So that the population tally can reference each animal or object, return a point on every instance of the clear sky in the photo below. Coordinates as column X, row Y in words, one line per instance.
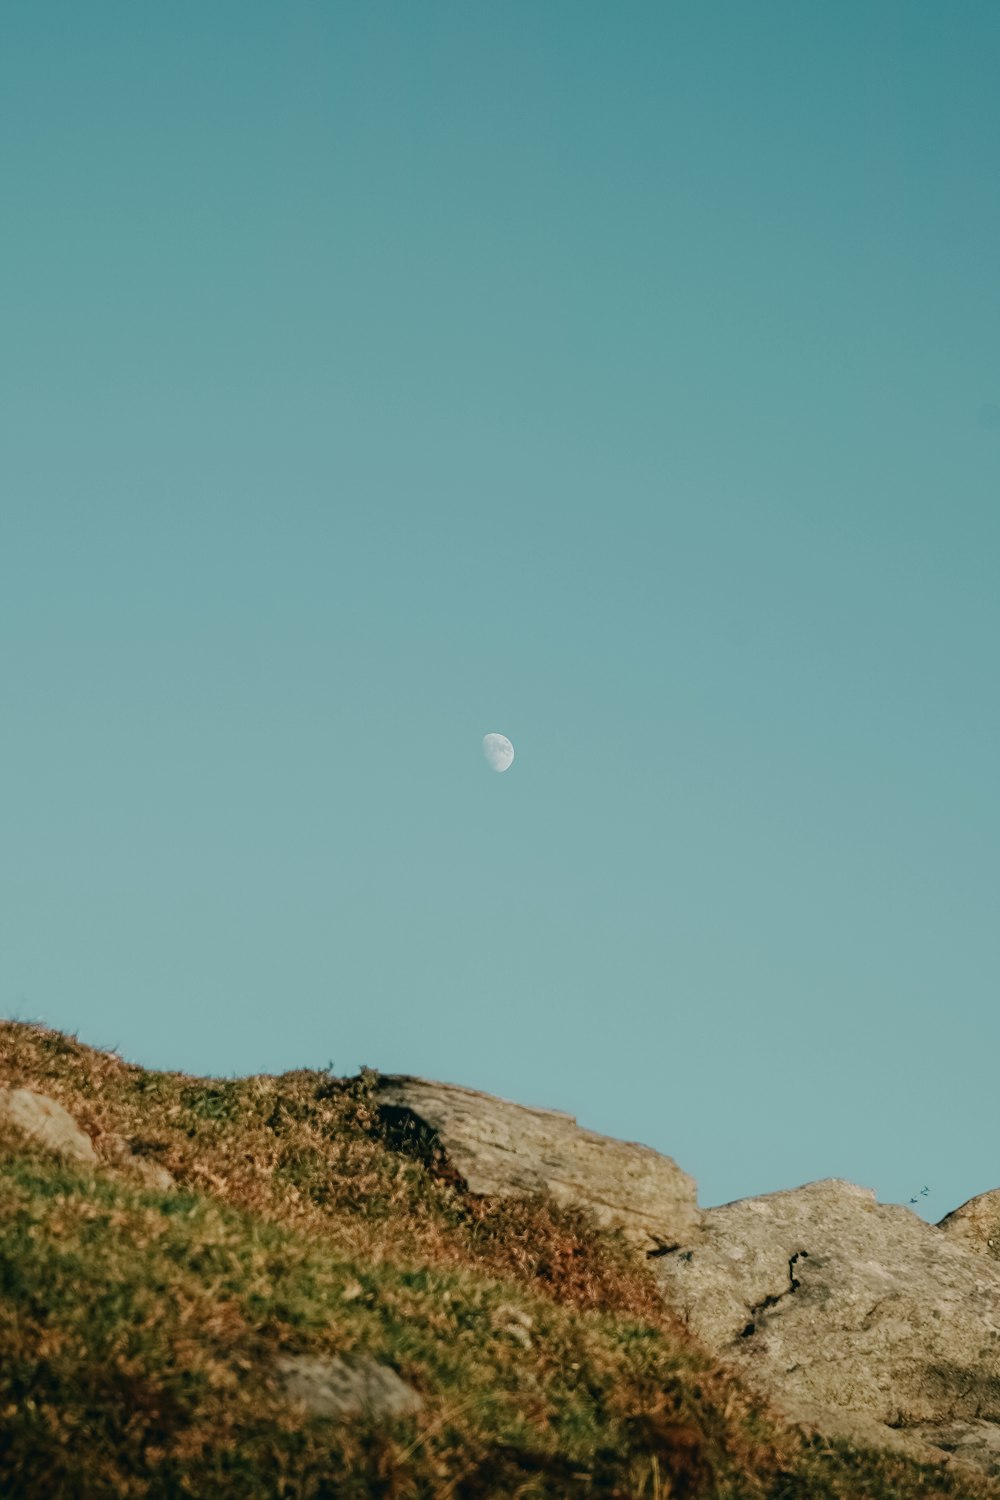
column 624, row 379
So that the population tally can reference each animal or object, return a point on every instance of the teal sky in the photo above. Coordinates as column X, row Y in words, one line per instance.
column 621, row 378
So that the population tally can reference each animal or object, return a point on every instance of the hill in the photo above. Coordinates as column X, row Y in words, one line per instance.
column 285, row 1286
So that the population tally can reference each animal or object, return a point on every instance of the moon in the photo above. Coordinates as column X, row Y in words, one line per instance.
column 498, row 750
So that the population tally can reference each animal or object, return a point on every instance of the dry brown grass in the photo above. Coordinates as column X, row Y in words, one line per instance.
column 307, row 1151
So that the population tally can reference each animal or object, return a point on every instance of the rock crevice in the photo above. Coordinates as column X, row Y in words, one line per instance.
column 772, row 1299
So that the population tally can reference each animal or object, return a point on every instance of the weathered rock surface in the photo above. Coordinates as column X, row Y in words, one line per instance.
column 859, row 1319
column 495, row 1146
column 976, row 1224
column 46, row 1121
column 975, row 1444
column 849, row 1313
column 333, row 1387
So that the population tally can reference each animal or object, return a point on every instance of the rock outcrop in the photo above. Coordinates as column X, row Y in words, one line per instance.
column 335, row 1387
column 45, row 1121
column 495, row 1147
column 859, row 1319
column 849, row 1313
column 976, row 1224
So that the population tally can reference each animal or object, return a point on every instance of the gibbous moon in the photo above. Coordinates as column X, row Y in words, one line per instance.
column 498, row 750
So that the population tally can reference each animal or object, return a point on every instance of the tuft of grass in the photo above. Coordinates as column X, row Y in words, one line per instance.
column 140, row 1331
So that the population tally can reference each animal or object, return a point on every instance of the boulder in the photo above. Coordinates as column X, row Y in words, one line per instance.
column 47, row 1122
column 853, row 1316
column 491, row 1146
column 976, row 1224
column 334, row 1387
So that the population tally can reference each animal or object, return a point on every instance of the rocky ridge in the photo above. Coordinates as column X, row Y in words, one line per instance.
column 858, row 1319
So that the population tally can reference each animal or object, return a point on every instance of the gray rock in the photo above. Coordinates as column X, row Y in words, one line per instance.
column 976, row 1224
column 332, row 1387
column 862, row 1431
column 47, row 1122
column 974, row 1444
column 858, row 1319
column 494, row 1146
column 848, row 1313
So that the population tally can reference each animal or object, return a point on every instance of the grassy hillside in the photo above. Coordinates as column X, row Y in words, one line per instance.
column 139, row 1330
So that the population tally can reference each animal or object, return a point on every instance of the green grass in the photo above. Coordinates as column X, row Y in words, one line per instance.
column 139, row 1331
